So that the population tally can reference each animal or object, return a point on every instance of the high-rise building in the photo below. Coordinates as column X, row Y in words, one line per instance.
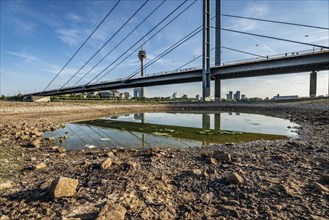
column 237, row 95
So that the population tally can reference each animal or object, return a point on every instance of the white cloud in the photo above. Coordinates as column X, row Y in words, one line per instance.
column 24, row 26
column 73, row 17
column 255, row 9
column 24, row 55
column 69, row 36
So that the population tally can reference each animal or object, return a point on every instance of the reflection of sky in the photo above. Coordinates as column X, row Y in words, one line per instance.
column 234, row 122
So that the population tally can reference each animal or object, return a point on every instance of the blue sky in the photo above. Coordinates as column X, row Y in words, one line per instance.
column 38, row 38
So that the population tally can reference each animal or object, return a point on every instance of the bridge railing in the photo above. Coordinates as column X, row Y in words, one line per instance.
column 278, row 56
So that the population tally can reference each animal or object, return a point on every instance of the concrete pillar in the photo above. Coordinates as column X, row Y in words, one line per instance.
column 217, row 121
column 206, row 51
column 205, row 121
column 313, row 78
column 217, row 89
column 218, row 48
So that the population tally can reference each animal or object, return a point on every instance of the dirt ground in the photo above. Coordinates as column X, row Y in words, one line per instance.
column 279, row 179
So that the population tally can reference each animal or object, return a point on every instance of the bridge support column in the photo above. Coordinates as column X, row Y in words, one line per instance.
column 217, row 121
column 313, row 79
column 206, row 51
column 218, row 49
column 217, row 89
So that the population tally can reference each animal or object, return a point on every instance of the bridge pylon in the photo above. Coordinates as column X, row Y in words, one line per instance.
column 206, row 51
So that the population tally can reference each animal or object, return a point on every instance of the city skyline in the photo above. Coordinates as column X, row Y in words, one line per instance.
column 36, row 41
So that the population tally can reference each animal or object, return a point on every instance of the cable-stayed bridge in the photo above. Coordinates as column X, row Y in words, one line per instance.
column 317, row 59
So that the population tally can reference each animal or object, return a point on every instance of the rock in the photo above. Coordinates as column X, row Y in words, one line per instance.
column 131, row 164
column 40, row 166
column 46, row 184
column 106, row 164
column 4, row 217
column 63, row 187
column 212, row 160
column 318, row 187
column 36, row 143
column 314, row 217
column 234, row 178
column 6, row 185
column 33, row 159
column 110, row 154
column 64, row 218
column 325, row 179
column 61, row 150
column 112, row 211
column 222, row 156
column 195, row 173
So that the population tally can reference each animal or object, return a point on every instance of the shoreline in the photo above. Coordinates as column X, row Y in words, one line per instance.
column 282, row 179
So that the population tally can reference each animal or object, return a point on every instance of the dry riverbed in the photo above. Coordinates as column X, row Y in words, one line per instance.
column 280, row 179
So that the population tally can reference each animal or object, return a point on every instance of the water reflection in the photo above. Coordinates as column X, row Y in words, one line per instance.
column 170, row 130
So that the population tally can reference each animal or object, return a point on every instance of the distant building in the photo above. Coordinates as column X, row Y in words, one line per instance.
column 137, row 93
column 278, row 97
column 175, row 95
column 237, row 95
column 104, row 95
column 184, row 96
column 243, row 97
column 229, row 96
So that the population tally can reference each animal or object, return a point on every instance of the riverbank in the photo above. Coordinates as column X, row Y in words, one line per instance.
column 280, row 179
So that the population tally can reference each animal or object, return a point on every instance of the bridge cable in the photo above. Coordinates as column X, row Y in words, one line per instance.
column 273, row 21
column 275, row 38
column 83, row 44
column 241, row 51
column 149, row 40
column 104, row 44
column 143, row 38
column 228, row 48
column 168, row 50
column 120, row 42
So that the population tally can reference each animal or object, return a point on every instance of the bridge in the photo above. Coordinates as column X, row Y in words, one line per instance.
column 282, row 64
column 302, row 61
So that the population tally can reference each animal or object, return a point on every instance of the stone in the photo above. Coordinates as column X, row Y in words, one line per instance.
column 325, row 179
column 6, row 185
column 314, row 217
column 65, row 218
column 132, row 164
column 46, row 184
column 36, row 143
column 195, row 173
column 112, row 211
column 33, row 159
column 106, row 164
column 212, row 161
column 40, row 166
column 61, row 150
column 110, row 154
column 222, row 156
column 4, row 217
column 234, row 178
column 63, row 187
column 319, row 187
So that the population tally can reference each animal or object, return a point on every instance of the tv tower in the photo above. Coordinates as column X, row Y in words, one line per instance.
column 142, row 57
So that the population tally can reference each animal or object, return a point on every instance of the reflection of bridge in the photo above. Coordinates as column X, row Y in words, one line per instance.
column 205, row 120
